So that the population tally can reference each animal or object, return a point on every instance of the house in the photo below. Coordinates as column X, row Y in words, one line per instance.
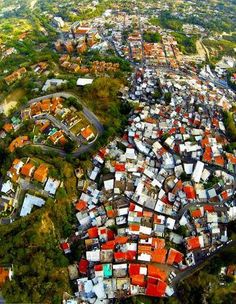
column 18, row 142
column 197, row 173
column 8, row 127
column 52, row 185
column 7, row 187
column 65, row 246
column 29, row 202
column 51, row 83
column 84, row 81
column 28, row 169
column 87, row 133
column 195, row 242
column 5, row 274
column 41, row 173
column 15, row 75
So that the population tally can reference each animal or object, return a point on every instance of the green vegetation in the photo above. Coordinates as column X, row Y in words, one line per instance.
column 204, row 285
column 31, row 244
column 72, row 101
column 230, row 125
column 219, row 48
column 212, row 181
column 167, row 97
column 166, row 20
column 186, row 44
column 229, row 75
column 102, row 98
column 152, row 37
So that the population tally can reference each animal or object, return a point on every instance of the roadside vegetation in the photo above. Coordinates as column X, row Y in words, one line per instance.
column 204, row 286
column 219, row 48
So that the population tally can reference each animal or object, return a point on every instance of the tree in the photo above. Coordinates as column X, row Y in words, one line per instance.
column 69, row 146
column 167, row 97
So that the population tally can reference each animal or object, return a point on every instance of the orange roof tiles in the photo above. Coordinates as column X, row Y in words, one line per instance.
column 219, row 160
column 87, row 133
column 93, row 232
column 158, row 243
column 18, row 142
column 196, row 213
column 138, row 279
column 209, row 208
column 121, row 239
column 174, row 256
column 207, row 154
column 231, row 158
column 8, row 127
column 224, row 195
column 190, row 192
column 119, row 167
column 41, row 173
column 205, row 142
column 154, row 271
column 108, row 245
column 4, row 275
column 159, row 255
column 27, row 169
column 81, row 205
column 193, row 243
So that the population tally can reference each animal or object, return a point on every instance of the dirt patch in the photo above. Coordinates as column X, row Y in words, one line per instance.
column 47, row 224
column 11, row 100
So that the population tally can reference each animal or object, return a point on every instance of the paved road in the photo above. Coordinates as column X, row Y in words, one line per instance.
column 91, row 117
column 186, row 273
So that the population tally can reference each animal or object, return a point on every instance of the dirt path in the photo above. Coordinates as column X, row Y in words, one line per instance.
column 200, row 50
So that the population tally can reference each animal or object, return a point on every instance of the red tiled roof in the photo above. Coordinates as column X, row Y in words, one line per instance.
column 81, row 205
column 109, row 245
column 196, row 213
column 138, row 279
column 209, row 208
column 83, row 266
column 158, row 243
column 159, row 255
column 174, row 256
column 93, row 232
column 190, row 192
column 119, row 167
column 193, row 243
column 154, row 271
column 219, row 160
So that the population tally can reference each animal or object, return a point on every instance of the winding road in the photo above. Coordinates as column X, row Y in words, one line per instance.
column 190, row 270
column 91, row 117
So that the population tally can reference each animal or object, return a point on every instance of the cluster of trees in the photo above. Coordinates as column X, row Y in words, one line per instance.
column 186, row 44
column 230, row 125
column 220, row 48
column 72, row 101
column 203, row 286
column 152, row 37
column 40, row 274
column 166, row 20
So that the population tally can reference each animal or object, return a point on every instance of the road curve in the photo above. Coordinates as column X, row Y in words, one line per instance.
column 190, row 270
column 91, row 117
